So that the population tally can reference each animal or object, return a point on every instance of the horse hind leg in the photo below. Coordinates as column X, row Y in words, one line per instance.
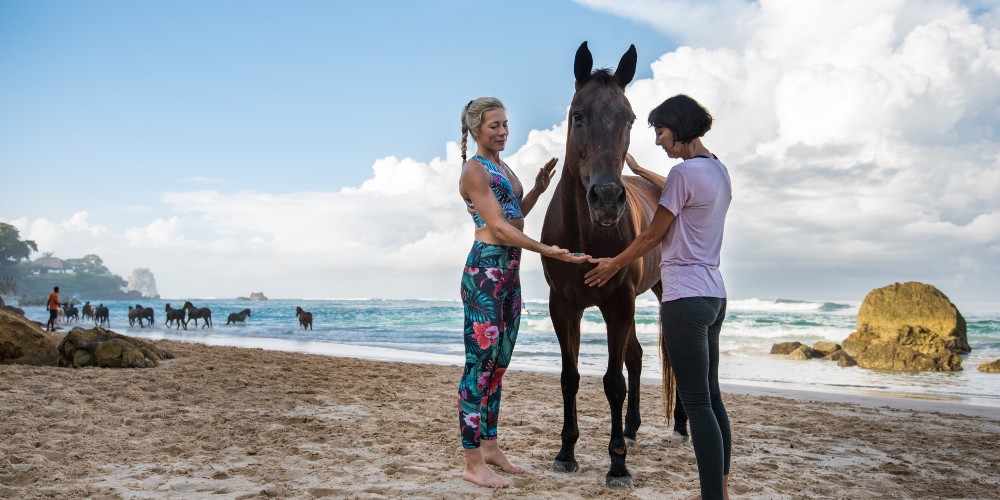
column 633, row 363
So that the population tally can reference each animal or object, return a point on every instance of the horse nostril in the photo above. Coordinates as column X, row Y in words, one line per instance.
column 621, row 196
column 592, row 196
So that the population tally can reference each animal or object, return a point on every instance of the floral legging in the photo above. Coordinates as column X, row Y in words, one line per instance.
column 491, row 294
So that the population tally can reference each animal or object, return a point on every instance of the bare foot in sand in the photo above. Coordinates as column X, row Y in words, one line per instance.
column 494, row 456
column 477, row 472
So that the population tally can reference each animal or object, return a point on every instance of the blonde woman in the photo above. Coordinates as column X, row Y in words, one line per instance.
column 491, row 287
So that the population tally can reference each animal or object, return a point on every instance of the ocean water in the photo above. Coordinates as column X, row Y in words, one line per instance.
column 430, row 331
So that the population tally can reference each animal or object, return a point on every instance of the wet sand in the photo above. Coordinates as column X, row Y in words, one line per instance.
column 225, row 422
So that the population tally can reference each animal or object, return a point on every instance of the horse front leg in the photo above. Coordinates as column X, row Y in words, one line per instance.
column 620, row 319
column 566, row 321
column 633, row 362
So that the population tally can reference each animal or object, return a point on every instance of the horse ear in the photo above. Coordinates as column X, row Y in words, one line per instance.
column 583, row 64
column 626, row 67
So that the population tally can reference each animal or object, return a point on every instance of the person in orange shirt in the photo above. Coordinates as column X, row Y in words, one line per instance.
column 53, row 308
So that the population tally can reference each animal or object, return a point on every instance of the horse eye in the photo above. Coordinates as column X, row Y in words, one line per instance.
column 577, row 117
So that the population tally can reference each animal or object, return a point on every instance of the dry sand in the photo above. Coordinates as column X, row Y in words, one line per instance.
column 221, row 422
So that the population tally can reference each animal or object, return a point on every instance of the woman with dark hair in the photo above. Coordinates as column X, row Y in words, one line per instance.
column 491, row 285
column 688, row 226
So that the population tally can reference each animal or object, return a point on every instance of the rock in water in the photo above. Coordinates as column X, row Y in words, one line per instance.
column 107, row 349
column 802, row 353
column 825, row 348
column 993, row 367
column 908, row 326
column 785, row 347
column 22, row 342
column 841, row 358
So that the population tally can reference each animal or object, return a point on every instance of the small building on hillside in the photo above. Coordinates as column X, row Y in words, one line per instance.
column 49, row 265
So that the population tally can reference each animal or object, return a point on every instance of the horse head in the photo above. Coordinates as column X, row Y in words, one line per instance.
column 600, row 122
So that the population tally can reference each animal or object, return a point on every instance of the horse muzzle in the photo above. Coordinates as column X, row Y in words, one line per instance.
column 607, row 203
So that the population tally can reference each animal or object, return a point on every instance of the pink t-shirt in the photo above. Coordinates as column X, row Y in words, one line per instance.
column 698, row 193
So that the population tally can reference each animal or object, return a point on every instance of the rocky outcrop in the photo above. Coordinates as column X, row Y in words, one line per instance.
column 785, row 347
column 802, row 353
column 993, row 367
column 908, row 326
column 842, row 358
column 23, row 342
column 11, row 309
column 107, row 349
column 823, row 349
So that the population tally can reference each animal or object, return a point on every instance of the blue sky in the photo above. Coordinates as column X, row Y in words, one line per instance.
column 308, row 149
column 123, row 99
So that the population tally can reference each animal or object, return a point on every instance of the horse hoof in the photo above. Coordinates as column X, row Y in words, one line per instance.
column 561, row 466
column 619, row 483
column 631, row 444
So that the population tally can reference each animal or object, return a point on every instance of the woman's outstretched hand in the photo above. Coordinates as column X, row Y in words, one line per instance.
column 566, row 256
column 545, row 175
column 605, row 270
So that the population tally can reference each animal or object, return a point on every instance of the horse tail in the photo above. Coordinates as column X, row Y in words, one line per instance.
column 669, row 386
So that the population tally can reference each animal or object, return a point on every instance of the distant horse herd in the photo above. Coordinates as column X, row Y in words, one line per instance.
column 145, row 317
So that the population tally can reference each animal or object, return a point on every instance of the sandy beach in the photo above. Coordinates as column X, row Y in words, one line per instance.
column 225, row 422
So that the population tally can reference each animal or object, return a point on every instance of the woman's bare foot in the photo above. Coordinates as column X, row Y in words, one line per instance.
column 477, row 472
column 494, row 456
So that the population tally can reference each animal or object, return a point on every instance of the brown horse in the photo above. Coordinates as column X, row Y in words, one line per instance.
column 239, row 317
column 196, row 313
column 102, row 316
column 134, row 315
column 177, row 317
column 596, row 210
column 305, row 318
column 145, row 313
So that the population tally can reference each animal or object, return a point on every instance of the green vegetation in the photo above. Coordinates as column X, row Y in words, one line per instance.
column 86, row 277
column 12, row 252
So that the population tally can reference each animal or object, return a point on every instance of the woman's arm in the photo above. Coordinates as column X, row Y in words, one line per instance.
column 475, row 185
column 542, row 180
column 646, row 241
column 657, row 179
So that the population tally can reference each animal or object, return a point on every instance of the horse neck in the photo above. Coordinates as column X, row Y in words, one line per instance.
column 572, row 198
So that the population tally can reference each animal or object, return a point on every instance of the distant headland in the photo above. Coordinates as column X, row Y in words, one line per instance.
column 255, row 296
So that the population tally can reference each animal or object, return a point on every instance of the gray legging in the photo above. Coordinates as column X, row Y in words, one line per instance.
column 691, row 329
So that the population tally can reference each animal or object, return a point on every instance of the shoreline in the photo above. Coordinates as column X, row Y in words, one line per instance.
column 899, row 402
column 251, row 423
column 856, row 395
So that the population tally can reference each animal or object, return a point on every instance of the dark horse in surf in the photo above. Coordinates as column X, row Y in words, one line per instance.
column 196, row 313
column 599, row 212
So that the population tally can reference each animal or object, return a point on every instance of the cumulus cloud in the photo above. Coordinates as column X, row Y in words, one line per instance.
column 861, row 139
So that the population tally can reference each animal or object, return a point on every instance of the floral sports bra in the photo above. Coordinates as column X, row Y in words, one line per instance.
column 510, row 204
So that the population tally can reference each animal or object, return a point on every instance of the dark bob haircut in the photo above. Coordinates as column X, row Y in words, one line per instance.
column 687, row 119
